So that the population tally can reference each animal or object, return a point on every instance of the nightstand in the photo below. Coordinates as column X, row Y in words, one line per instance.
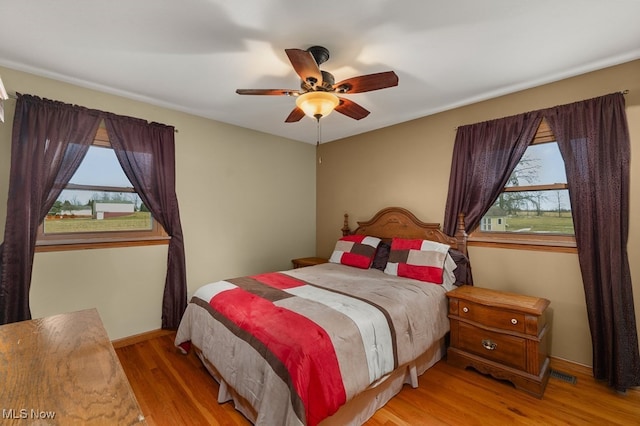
column 502, row 334
column 308, row 261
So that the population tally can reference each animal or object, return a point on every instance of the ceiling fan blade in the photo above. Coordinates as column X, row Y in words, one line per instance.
column 367, row 83
column 274, row 92
column 351, row 109
column 305, row 66
column 296, row 115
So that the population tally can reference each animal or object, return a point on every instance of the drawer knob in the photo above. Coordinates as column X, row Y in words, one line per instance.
column 465, row 309
column 514, row 321
column 489, row 345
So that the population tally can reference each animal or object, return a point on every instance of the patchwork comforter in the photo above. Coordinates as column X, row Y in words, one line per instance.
column 296, row 345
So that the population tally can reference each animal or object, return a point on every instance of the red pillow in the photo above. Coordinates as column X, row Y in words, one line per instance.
column 418, row 259
column 355, row 250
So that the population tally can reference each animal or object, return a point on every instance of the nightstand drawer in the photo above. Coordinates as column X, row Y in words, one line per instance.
column 491, row 317
column 502, row 348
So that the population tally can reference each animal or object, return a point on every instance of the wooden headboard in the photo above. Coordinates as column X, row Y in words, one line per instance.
column 401, row 223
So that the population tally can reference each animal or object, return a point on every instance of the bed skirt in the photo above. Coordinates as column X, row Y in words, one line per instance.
column 359, row 409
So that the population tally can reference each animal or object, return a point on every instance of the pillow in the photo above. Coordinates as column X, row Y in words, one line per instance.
column 448, row 274
column 463, row 270
column 418, row 259
column 355, row 250
column 381, row 257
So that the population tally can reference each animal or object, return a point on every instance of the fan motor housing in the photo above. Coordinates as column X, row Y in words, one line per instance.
column 327, row 80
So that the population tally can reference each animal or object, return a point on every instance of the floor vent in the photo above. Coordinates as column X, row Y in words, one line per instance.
column 564, row 377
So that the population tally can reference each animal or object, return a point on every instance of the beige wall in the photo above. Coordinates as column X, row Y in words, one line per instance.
column 247, row 204
column 408, row 165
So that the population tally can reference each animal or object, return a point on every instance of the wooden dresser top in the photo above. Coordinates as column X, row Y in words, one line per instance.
column 500, row 299
column 63, row 370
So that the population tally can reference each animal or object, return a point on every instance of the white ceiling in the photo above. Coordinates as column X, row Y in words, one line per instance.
column 191, row 55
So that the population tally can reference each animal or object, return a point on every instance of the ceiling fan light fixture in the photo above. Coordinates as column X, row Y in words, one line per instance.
column 317, row 104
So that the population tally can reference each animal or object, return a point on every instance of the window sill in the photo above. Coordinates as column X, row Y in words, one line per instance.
column 68, row 245
column 565, row 245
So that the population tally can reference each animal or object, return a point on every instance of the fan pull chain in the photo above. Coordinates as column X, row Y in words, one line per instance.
column 318, row 138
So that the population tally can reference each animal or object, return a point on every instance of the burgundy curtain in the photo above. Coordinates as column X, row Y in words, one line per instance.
column 593, row 138
column 484, row 155
column 147, row 155
column 49, row 141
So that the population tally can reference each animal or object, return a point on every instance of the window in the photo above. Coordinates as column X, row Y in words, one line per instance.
column 98, row 207
column 533, row 210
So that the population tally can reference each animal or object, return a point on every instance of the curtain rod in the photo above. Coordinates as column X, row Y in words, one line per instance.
column 622, row 92
column 13, row 95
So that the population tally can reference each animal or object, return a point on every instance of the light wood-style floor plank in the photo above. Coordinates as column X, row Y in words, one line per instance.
column 174, row 389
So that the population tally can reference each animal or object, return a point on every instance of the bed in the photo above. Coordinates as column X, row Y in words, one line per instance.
column 331, row 343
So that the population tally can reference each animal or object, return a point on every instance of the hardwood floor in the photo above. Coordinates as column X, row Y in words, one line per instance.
column 174, row 389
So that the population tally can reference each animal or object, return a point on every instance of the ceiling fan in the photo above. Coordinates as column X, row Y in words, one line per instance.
column 318, row 94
